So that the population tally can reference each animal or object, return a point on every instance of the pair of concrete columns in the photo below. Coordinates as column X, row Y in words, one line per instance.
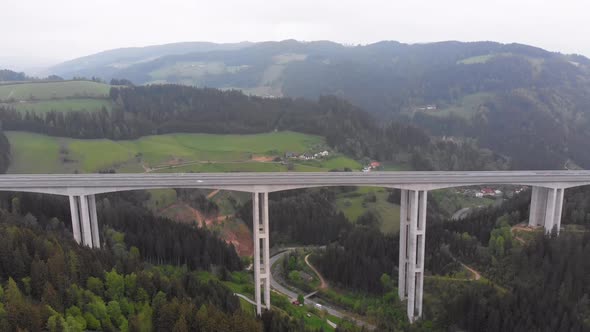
column 546, row 208
column 261, row 236
column 84, row 220
column 411, row 255
column 411, row 250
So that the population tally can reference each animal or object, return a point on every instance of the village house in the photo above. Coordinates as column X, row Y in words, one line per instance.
column 306, row 156
column 290, row 155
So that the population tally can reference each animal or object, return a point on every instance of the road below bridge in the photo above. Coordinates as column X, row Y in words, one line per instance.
column 293, row 296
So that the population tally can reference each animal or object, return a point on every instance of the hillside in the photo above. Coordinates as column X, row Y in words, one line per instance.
column 520, row 101
column 64, row 96
column 52, row 90
column 34, row 153
column 110, row 62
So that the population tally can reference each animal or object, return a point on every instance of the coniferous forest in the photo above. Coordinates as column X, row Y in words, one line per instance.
column 134, row 283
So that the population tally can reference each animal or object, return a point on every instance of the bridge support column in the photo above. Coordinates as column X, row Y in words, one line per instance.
column 546, row 207
column 75, row 213
column 261, row 236
column 85, row 220
column 411, row 253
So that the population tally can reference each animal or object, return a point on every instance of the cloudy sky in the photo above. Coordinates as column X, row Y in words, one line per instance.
column 50, row 31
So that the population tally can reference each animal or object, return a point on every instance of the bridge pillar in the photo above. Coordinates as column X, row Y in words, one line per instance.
column 261, row 250
column 546, row 207
column 85, row 220
column 75, row 213
column 411, row 253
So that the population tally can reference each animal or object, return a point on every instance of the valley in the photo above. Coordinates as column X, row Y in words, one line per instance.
column 294, row 106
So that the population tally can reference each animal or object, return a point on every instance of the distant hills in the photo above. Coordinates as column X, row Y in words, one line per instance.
column 109, row 63
column 521, row 101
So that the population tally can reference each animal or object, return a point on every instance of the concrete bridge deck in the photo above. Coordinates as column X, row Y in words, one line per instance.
column 79, row 184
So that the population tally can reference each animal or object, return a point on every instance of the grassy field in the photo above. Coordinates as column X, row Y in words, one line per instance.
column 465, row 108
column 63, row 105
column 450, row 201
column 34, row 153
column 333, row 163
column 53, row 90
column 353, row 205
column 476, row 59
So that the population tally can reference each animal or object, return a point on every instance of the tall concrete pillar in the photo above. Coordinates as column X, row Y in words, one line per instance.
column 265, row 236
column 420, row 249
column 75, row 213
column 534, row 207
column 93, row 221
column 412, row 247
column 256, row 239
column 86, row 228
column 403, row 250
column 558, row 208
column 261, row 250
column 546, row 208
column 550, row 210
column 85, row 220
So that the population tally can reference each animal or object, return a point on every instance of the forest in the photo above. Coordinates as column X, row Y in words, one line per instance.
column 134, row 283
column 305, row 217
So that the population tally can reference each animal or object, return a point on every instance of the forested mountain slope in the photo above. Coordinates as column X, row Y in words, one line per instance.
column 519, row 100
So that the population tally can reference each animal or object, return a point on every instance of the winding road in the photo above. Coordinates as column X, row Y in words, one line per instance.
column 323, row 283
column 281, row 289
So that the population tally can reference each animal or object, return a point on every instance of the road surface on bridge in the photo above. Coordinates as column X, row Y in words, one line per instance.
column 251, row 182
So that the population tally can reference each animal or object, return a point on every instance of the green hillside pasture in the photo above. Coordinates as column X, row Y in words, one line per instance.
column 53, row 90
column 207, row 147
column 63, row 105
column 476, row 59
column 34, row 153
column 351, row 204
column 466, row 107
column 192, row 72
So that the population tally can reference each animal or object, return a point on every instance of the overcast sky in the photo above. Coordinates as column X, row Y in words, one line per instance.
column 64, row 29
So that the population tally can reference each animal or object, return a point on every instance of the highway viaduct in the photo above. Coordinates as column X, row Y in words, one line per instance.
column 545, row 209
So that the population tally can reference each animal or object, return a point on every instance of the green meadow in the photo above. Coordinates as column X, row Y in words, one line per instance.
column 35, row 153
column 53, row 90
column 63, row 105
column 353, row 204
